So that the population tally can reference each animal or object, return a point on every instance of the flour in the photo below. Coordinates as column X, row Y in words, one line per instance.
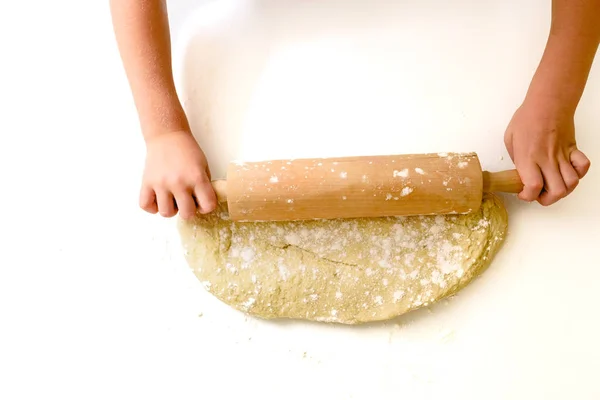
column 402, row 173
column 406, row 191
column 248, row 303
column 247, row 254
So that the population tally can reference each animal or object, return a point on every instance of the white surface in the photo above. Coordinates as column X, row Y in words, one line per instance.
column 96, row 300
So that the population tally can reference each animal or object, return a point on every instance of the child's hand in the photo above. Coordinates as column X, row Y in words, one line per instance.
column 541, row 142
column 176, row 177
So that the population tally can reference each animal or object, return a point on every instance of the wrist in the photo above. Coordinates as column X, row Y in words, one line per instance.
column 545, row 102
column 551, row 92
column 561, row 76
column 163, row 117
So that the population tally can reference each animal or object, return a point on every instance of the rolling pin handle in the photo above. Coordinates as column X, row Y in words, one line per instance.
column 504, row 181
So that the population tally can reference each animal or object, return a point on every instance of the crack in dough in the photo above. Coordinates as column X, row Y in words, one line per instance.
column 345, row 271
column 314, row 254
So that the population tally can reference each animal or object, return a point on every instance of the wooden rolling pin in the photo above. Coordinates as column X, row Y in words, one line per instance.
column 351, row 187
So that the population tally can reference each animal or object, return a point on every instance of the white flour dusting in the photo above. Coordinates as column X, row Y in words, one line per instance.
column 340, row 271
column 402, row 173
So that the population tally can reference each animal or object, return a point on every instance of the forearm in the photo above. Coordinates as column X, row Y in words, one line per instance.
column 570, row 50
column 143, row 37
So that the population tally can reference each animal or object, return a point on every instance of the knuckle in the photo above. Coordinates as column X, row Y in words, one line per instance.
column 540, row 158
column 200, row 178
column 559, row 193
column 211, row 204
column 208, row 206
column 548, row 202
column 187, row 212
column 527, row 197
column 147, row 205
column 168, row 213
column 171, row 181
column 187, row 215
column 177, row 182
column 572, row 184
column 161, row 183
column 536, row 185
column 149, row 209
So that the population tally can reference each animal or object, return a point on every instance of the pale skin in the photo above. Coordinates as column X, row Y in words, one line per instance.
column 540, row 137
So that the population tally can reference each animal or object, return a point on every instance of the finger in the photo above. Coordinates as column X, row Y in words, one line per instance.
column 148, row 200
column 206, row 198
column 580, row 162
column 533, row 182
column 569, row 175
column 185, row 204
column 166, row 203
column 554, row 186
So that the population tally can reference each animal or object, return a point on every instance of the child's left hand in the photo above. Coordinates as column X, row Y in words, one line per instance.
column 541, row 142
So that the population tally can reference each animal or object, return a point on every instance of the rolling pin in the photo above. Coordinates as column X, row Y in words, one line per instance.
column 366, row 186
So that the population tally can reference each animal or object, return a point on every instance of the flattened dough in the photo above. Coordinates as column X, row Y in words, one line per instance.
column 346, row 271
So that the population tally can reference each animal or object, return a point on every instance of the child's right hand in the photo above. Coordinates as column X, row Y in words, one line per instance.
column 176, row 177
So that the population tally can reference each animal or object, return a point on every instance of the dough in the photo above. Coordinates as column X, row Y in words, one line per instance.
column 345, row 271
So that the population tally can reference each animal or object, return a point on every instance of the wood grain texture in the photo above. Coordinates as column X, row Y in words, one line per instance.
column 503, row 181
column 352, row 187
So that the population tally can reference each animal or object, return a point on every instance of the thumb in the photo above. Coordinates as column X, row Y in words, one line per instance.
column 580, row 163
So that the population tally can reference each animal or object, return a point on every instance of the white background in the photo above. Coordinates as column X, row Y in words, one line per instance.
column 96, row 300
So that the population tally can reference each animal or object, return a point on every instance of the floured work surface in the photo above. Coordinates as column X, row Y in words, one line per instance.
column 346, row 271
